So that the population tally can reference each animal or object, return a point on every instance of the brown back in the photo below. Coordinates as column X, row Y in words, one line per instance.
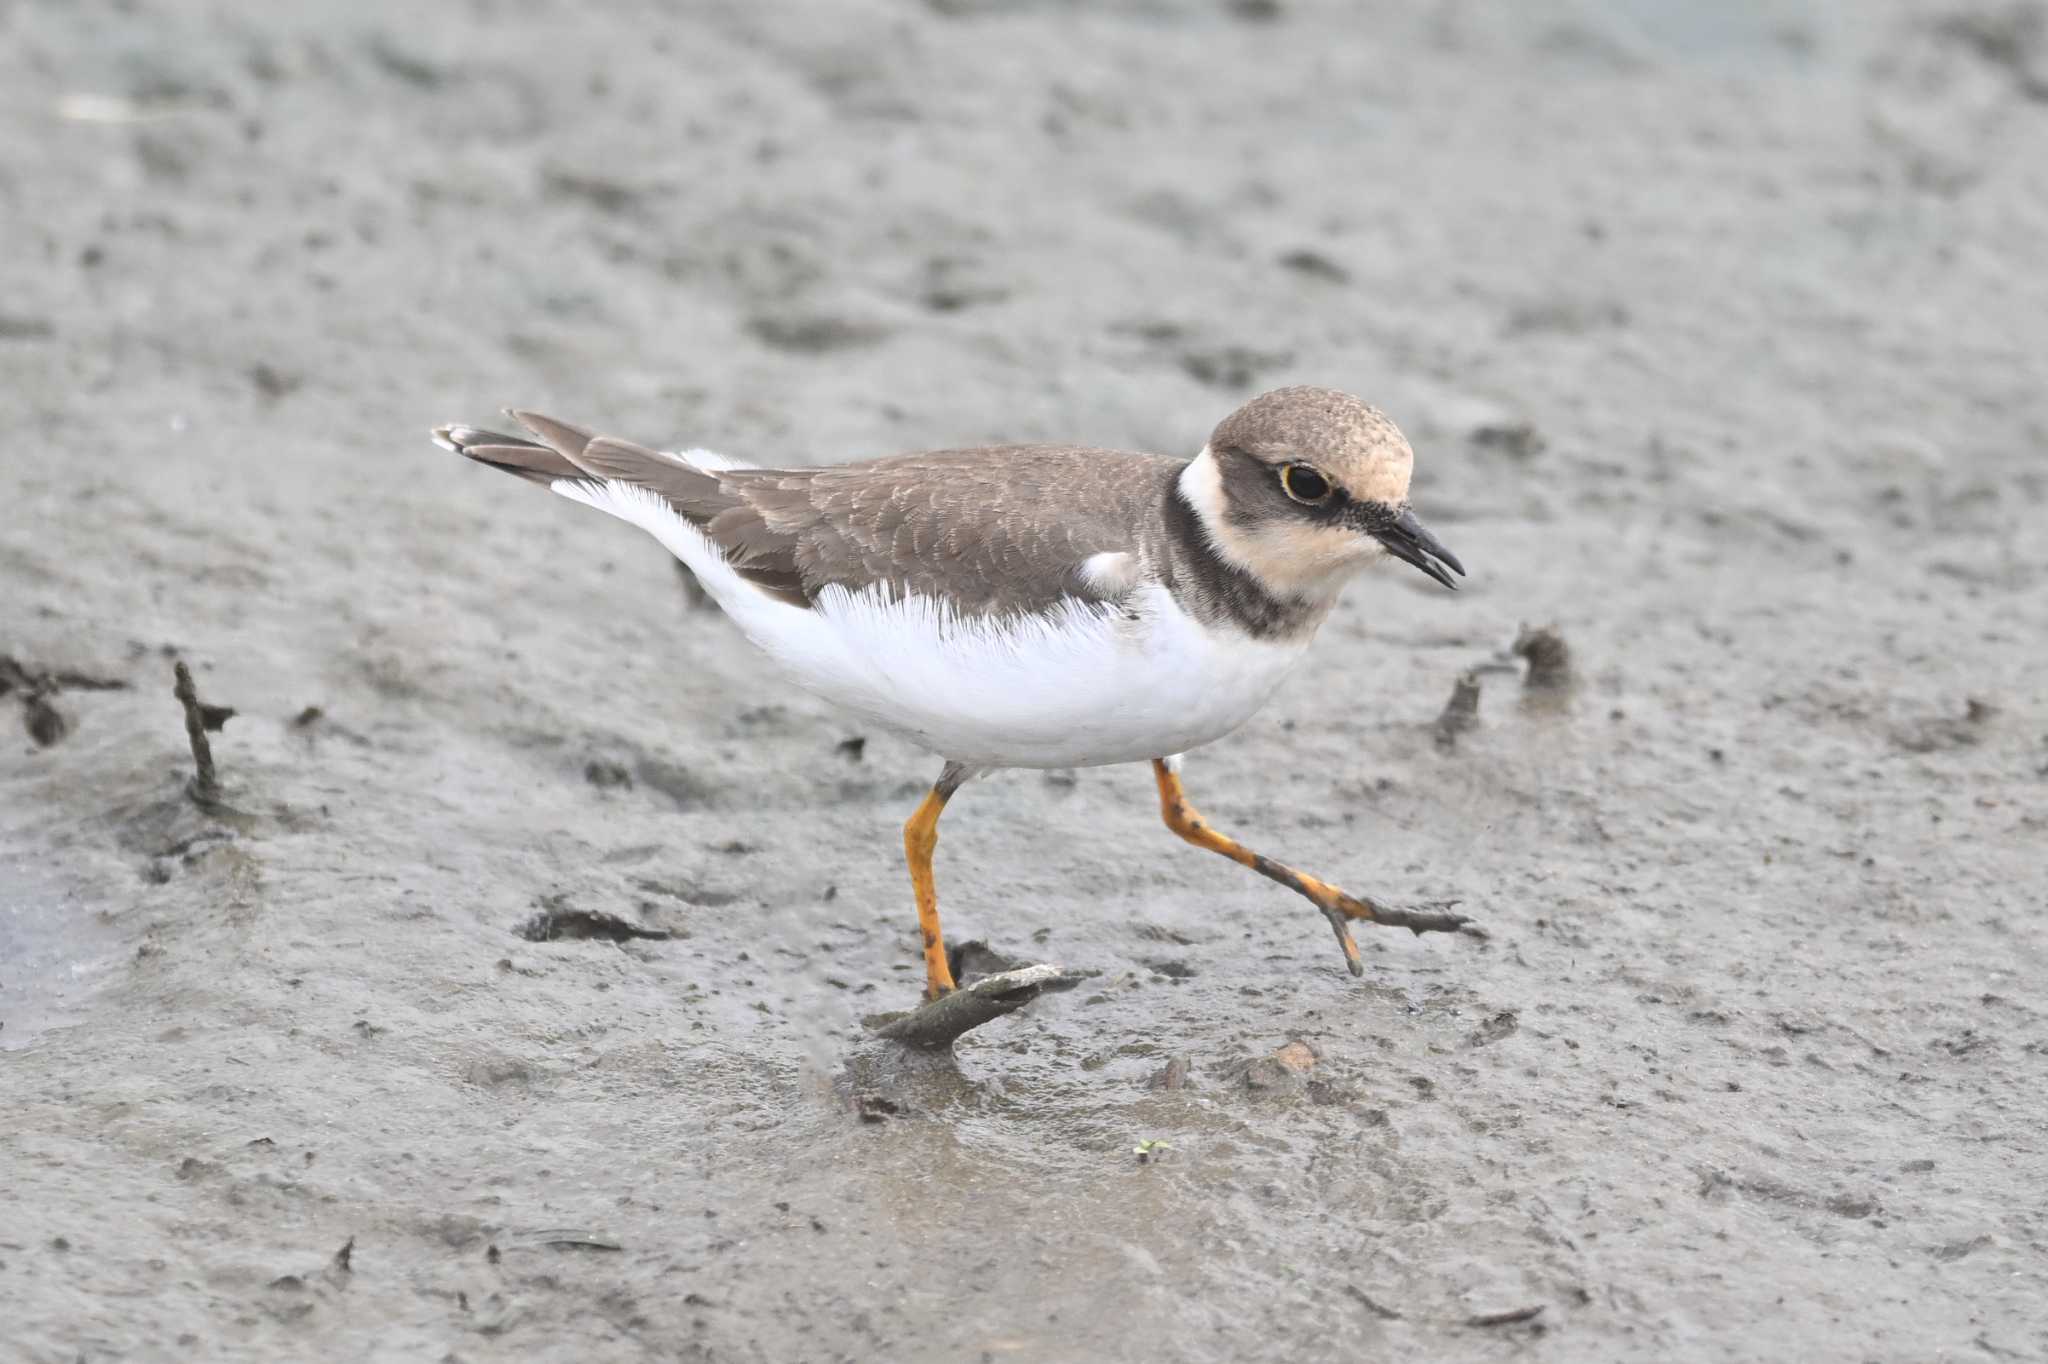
column 993, row 531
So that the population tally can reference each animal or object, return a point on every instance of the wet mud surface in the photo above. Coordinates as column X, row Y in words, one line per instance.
column 510, row 999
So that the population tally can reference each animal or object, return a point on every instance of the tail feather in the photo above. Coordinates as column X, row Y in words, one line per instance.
column 569, row 451
column 514, row 454
column 680, row 499
column 694, row 493
column 561, row 436
column 565, row 451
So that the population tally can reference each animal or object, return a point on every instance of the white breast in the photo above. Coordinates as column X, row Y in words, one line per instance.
column 1080, row 687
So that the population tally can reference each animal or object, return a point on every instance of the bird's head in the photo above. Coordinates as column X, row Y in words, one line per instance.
column 1305, row 486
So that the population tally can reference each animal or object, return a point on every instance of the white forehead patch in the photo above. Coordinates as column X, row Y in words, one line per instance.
column 1386, row 474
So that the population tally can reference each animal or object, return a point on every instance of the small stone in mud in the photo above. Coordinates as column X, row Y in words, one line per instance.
column 1298, row 1056
column 1315, row 265
column 1517, row 440
column 1501, row 1025
column 496, row 1072
column 875, row 1107
column 1173, row 1075
column 272, row 382
column 1231, row 367
column 606, row 775
column 1550, row 658
column 853, row 749
column 1947, row 731
column 47, row 722
column 1284, row 1069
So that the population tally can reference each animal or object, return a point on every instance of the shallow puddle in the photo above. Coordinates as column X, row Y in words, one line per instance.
column 55, row 954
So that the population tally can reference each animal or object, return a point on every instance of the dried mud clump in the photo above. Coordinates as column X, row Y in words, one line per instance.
column 1548, row 656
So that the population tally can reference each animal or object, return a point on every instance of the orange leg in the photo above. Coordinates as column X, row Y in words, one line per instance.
column 1338, row 907
column 920, row 838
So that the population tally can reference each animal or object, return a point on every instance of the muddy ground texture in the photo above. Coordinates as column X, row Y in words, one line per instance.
column 1719, row 333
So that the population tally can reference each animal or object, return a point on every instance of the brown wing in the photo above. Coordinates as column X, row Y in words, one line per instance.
column 1001, row 530
column 997, row 530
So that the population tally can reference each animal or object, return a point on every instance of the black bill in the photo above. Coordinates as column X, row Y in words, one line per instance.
column 1408, row 540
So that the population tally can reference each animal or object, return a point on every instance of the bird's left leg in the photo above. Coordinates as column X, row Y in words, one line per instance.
column 920, row 839
column 1338, row 907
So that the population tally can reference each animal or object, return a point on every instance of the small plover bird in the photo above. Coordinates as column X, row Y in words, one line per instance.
column 1042, row 606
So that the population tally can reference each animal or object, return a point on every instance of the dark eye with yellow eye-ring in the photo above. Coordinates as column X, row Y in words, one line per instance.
column 1304, row 484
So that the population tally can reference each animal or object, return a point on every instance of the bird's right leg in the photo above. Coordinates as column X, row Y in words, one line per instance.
column 1337, row 907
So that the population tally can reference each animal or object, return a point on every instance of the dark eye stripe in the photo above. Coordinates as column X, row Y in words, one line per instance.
column 1304, row 484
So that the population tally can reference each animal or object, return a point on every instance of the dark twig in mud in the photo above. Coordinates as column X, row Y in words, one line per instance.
column 47, row 721
column 1549, row 657
column 18, row 676
column 14, row 677
column 1461, row 712
column 571, row 1238
column 199, row 718
column 1512, row 1317
column 1378, row 1309
column 934, row 1026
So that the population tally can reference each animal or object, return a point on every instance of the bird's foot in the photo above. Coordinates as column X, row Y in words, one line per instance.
column 991, row 984
column 1434, row 916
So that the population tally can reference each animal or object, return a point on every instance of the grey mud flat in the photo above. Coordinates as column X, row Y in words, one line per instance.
column 1718, row 332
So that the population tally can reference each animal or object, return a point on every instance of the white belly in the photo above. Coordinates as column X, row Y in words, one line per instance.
column 1078, row 689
